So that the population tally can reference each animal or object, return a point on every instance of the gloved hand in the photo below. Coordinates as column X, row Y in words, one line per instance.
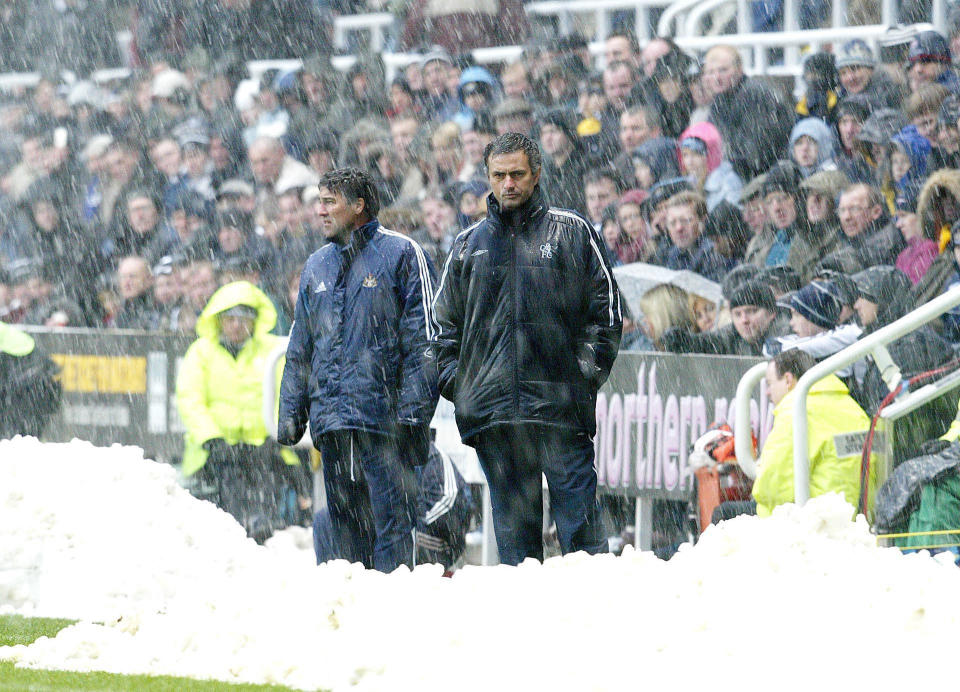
column 218, row 451
column 287, row 432
column 414, row 443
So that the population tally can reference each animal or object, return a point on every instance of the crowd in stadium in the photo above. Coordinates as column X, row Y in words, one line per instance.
column 125, row 203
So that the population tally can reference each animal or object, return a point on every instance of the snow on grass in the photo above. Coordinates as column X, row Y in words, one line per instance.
column 165, row 584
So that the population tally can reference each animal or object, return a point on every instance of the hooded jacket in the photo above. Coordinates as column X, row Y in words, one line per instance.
column 530, row 320
column 470, row 75
column 219, row 395
column 917, row 148
column 831, row 414
column 821, row 133
column 660, row 155
column 722, row 182
column 358, row 356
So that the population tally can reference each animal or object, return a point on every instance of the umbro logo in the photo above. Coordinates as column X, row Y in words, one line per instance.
column 321, row 288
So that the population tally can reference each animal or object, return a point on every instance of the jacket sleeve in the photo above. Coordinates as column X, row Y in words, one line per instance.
column 295, row 384
column 603, row 325
column 417, row 398
column 449, row 312
column 192, row 400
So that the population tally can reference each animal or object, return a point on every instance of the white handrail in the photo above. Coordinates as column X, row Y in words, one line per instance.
column 270, row 386
column 671, row 14
column 742, row 440
column 693, row 19
column 375, row 22
column 906, row 324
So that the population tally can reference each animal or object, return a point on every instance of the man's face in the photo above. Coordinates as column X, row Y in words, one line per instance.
column 751, row 322
column 45, row 215
column 166, row 157
column 618, row 49
column 230, row 239
column 402, row 133
column 780, row 209
column 683, row 225
column 266, row 159
column 195, row 161
column 806, row 151
column 848, row 127
column 438, row 217
column 599, row 194
column 338, row 217
column 553, row 140
column 926, row 124
column 803, row 327
column 435, row 77
column 236, row 330
column 778, row 386
column 133, row 278
column 122, row 164
column 855, row 212
column 652, row 52
column 473, row 145
column 202, row 282
column 616, row 86
column 720, row 73
column 515, row 83
column 511, row 179
column 634, row 131
column 866, row 311
column 142, row 214
column 166, row 289
column 855, row 78
column 818, row 207
column 925, row 71
column 291, row 210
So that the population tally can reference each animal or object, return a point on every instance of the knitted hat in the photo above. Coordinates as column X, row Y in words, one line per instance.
column 826, row 183
column 870, row 283
column 839, row 284
column 753, row 293
column 929, row 46
column 855, row 53
column 736, row 277
column 817, row 304
column 782, row 177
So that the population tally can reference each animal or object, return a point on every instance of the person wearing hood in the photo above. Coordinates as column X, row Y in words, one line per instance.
column 477, row 91
column 220, row 400
column 564, row 161
column 909, row 154
column 811, row 147
column 439, row 103
column 667, row 89
column 701, row 159
column 655, row 160
column 873, row 140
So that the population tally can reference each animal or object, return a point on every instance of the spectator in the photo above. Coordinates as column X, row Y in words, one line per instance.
column 632, row 242
column 601, row 188
column 831, row 413
column 811, row 147
column 691, row 251
column 701, row 159
column 29, row 392
column 820, row 97
column 269, row 163
column 665, row 306
column 821, row 189
column 852, row 113
column 436, row 237
column 738, row 100
column 167, row 293
column 143, row 232
column 923, row 108
column 859, row 76
column 478, row 91
column 946, row 152
column 817, row 321
column 638, row 124
column 730, row 235
column 201, row 282
column 440, row 102
column 220, row 400
column 513, row 114
column 667, row 90
column 655, row 160
column 908, row 160
column 930, row 62
column 938, row 209
column 135, row 281
column 621, row 45
column 874, row 139
column 471, row 202
column 751, row 200
column 869, row 238
column 564, row 161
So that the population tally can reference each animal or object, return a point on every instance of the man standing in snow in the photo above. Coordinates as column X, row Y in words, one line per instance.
column 359, row 365
column 530, row 323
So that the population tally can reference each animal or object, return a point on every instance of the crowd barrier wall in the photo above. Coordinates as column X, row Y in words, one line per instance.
column 119, row 387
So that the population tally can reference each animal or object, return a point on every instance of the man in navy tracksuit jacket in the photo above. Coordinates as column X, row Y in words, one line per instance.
column 530, row 323
column 360, row 366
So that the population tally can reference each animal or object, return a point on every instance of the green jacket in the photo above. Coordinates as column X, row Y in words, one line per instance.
column 222, row 396
column 831, row 412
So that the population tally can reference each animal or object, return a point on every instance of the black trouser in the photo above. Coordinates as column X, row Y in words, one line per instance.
column 513, row 457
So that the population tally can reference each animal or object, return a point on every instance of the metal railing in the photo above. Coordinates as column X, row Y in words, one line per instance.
column 379, row 24
column 564, row 10
column 866, row 346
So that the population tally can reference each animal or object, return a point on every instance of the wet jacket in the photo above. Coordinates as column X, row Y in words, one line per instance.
column 219, row 394
column 831, row 413
column 29, row 392
column 529, row 317
column 358, row 356
column 725, row 341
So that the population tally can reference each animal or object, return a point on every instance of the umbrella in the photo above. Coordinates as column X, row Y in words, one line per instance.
column 637, row 278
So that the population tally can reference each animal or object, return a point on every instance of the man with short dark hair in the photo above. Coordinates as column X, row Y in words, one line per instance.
column 529, row 325
column 360, row 367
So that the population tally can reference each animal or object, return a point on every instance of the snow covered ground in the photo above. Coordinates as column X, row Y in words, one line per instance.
column 163, row 583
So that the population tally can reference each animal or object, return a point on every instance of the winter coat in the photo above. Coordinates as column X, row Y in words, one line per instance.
column 219, row 394
column 722, row 182
column 140, row 312
column 880, row 243
column 530, row 320
column 701, row 258
column 881, row 91
column 725, row 341
column 563, row 184
column 831, row 414
column 916, row 258
column 358, row 356
column 754, row 124
column 471, row 75
column 29, row 392
column 918, row 149
column 821, row 133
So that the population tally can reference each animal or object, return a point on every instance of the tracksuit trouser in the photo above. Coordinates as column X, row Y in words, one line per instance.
column 371, row 498
column 512, row 458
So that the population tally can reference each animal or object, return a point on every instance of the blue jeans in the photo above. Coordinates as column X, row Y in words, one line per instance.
column 371, row 498
column 513, row 458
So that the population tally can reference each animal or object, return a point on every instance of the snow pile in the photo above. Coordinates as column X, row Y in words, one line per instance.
column 166, row 584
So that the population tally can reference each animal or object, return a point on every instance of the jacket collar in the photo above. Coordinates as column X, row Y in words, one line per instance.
column 359, row 238
column 530, row 213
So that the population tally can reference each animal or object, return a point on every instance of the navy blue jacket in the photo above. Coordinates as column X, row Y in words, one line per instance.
column 359, row 357
column 530, row 322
